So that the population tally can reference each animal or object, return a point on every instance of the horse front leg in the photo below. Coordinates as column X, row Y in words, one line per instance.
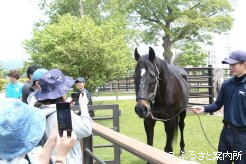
column 170, row 128
column 182, row 116
column 149, row 125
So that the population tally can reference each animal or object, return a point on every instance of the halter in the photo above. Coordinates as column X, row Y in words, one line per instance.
column 152, row 98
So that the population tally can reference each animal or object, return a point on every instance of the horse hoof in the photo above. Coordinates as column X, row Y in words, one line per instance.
column 182, row 152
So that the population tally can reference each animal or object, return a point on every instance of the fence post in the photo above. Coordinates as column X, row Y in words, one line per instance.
column 112, row 86
column 210, row 83
column 87, row 143
column 126, row 83
column 116, row 127
column 117, row 88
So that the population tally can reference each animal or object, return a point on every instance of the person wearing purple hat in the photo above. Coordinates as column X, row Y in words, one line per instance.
column 232, row 96
column 54, row 86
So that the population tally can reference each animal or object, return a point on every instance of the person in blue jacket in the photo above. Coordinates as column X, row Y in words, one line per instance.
column 232, row 96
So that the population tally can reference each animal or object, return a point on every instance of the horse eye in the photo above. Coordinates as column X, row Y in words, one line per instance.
column 152, row 76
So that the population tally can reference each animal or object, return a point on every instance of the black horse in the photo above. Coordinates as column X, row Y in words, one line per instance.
column 162, row 95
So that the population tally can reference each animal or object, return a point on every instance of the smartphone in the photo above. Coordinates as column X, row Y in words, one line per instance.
column 64, row 118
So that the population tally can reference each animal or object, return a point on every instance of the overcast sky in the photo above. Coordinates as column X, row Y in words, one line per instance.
column 18, row 16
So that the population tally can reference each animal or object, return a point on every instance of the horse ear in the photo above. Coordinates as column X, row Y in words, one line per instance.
column 151, row 54
column 136, row 54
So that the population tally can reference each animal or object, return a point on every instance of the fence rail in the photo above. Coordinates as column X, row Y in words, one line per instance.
column 143, row 151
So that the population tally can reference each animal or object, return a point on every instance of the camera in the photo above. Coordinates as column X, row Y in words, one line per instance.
column 75, row 96
column 75, row 99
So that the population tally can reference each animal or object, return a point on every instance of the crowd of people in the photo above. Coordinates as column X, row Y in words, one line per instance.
column 28, row 118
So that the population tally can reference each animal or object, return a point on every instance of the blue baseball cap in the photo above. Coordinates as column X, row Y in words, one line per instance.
column 21, row 128
column 235, row 57
column 38, row 73
column 80, row 79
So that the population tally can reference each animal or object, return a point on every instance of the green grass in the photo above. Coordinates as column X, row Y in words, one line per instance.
column 132, row 126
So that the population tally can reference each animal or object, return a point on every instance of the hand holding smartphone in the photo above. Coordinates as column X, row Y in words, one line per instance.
column 64, row 118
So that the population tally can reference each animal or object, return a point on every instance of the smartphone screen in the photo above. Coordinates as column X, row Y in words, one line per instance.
column 64, row 118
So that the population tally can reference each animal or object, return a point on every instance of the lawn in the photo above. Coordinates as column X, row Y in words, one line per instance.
column 131, row 125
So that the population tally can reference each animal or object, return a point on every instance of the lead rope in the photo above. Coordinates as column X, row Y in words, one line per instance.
column 164, row 120
column 158, row 119
column 243, row 153
column 205, row 133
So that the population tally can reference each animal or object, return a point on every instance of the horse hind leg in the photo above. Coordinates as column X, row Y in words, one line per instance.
column 182, row 116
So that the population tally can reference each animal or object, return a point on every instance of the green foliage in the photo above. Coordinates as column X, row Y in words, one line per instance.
column 79, row 47
column 181, row 21
column 192, row 55
column 172, row 21
column 3, row 83
column 76, row 8
column 1, row 71
column 99, row 11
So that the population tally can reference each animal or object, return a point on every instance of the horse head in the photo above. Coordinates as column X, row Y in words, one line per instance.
column 146, row 80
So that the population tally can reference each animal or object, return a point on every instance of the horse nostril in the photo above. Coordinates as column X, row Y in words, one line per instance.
column 136, row 109
column 145, row 110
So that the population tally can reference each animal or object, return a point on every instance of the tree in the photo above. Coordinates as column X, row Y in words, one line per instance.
column 98, row 11
column 176, row 21
column 1, row 70
column 192, row 54
column 180, row 20
column 79, row 47
column 76, row 8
